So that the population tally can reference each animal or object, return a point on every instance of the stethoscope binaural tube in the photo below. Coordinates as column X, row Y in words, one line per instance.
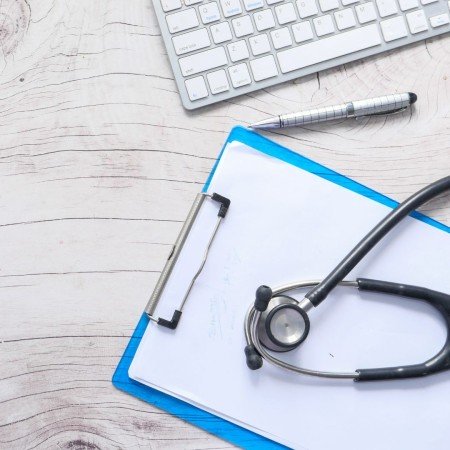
column 255, row 350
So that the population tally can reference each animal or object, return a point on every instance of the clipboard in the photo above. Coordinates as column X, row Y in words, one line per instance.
column 196, row 416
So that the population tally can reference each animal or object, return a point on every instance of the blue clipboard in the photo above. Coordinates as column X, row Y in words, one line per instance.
column 191, row 414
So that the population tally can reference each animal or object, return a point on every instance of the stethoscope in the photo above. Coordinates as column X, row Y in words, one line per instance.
column 277, row 322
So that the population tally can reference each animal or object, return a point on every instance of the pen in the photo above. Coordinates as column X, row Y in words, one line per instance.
column 388, row 104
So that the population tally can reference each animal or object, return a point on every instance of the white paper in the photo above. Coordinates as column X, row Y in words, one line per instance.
column 286, row 224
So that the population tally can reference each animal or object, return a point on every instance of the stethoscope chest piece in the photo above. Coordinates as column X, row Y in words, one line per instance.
column 283, row 326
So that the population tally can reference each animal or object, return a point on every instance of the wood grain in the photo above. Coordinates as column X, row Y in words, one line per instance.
column 99, row 164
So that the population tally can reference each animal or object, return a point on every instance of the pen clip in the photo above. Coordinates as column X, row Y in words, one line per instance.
column 387, row 113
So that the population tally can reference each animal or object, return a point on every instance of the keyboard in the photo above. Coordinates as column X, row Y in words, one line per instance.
column 221, row 49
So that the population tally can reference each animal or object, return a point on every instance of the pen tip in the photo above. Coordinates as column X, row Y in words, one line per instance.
column 273, row 122
column 412, row 97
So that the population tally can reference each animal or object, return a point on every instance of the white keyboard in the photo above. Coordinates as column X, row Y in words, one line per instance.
column 224, row 48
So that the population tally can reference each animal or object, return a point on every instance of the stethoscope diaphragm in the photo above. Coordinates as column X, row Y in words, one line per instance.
column 283, row 326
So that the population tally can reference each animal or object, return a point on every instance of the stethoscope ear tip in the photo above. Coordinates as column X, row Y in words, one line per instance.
column 253, row 358
column 262, row 298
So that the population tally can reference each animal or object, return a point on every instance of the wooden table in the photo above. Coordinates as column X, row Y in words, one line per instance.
column 99, row 164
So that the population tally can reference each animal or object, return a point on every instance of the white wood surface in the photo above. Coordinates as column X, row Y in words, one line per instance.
column 99, row 164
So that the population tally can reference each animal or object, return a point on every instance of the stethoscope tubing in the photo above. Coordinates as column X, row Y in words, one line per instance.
column 256, row 352
column 318, row 293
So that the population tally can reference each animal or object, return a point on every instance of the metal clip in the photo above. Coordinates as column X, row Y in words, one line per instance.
column 173, row 256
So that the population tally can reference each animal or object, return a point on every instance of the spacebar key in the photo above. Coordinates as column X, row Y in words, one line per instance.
column 328, row 48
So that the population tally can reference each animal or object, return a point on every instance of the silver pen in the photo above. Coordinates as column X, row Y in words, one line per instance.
column 388, row 104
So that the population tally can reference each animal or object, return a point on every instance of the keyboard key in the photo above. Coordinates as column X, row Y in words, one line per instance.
column 366, row 12
column 182, row 20
column 189, row 42
column 329, row 48
column 345, row 18
column 196, row 88
column 264, row 20
column 238, row 51
column 281, row 38
column 285, row 13
column 323, row 25
column 250, row 5
column 405, row 5
column 239, row 75
column 221, row 32
column 302, row 31
column 417, row 21
column 259, row 44
column 218, row 82
column 242, row 26
column 328, row 5
column 209, row 12
column 192, row 2
column 199, row 62
column 273, row 2
column 349, row 2
column 394, row 29
column 386, row 7
column 427, row 2
column 440, row 20
column 307, row 8
column 231, row 7
column 264, row 68
column 170, row 5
